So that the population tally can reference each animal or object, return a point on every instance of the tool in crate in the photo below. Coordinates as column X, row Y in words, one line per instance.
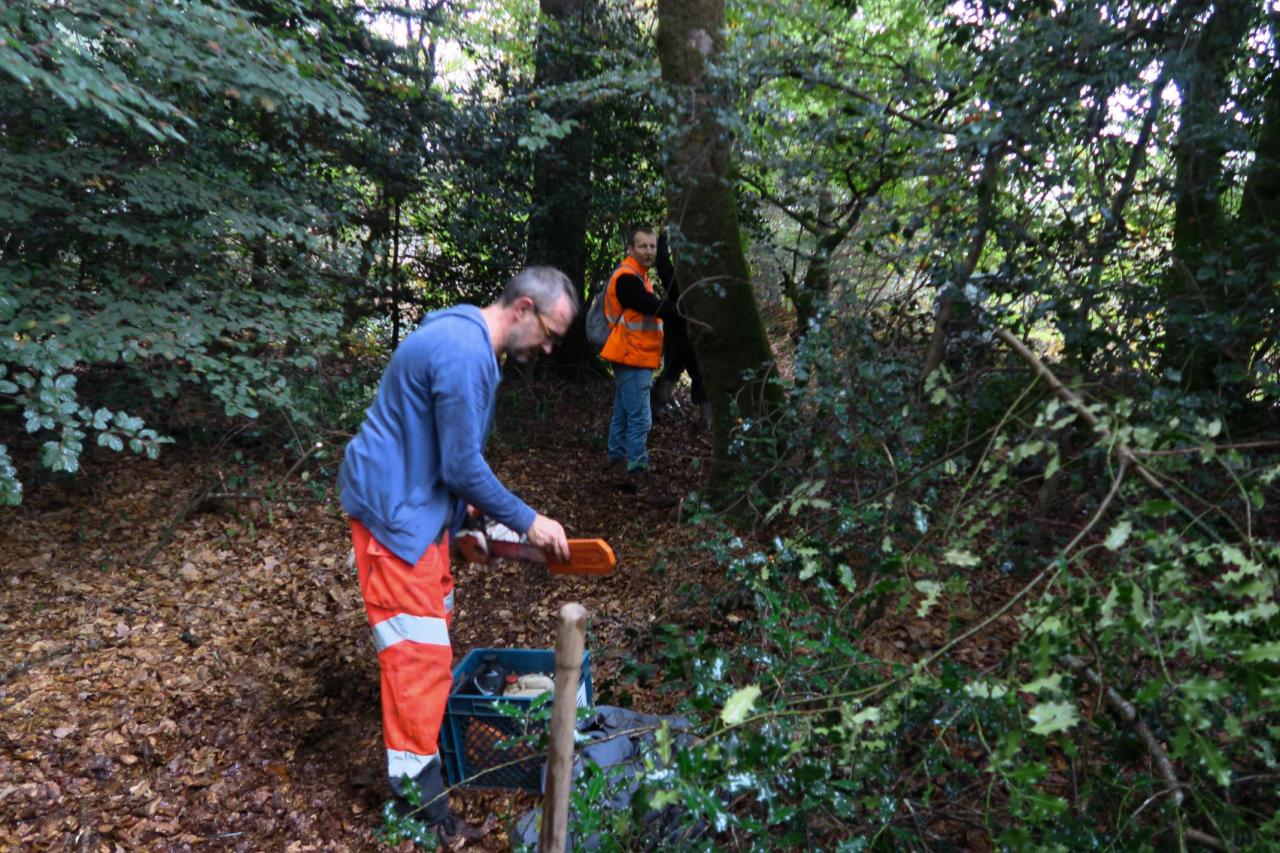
column 483, row 747
column 481, row 543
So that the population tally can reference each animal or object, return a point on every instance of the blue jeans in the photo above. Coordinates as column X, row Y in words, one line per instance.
column 629, row 429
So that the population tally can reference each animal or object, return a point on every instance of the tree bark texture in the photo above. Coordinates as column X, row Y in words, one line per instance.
column 1259, row 230
column 1204, row 283
column 717, row 295
column 815, row 287
column 947, row 295
column 562, row 170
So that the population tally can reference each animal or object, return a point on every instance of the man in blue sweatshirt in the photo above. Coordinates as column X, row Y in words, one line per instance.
column 406, row 481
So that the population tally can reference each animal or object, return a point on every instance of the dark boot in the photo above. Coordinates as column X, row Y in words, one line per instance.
column 650, row 489
column 423, row 799
column 615, row 474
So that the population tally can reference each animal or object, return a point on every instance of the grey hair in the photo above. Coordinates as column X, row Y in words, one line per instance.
column 544, row 285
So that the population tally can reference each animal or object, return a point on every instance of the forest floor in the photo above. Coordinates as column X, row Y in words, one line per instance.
column 185, row 662
column 181, row 672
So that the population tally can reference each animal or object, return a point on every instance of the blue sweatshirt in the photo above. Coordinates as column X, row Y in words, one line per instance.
column 417, row 459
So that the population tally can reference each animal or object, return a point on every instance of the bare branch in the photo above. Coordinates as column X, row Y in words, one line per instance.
column 1124, row 708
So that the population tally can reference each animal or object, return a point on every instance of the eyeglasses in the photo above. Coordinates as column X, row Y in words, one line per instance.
column 546, row 330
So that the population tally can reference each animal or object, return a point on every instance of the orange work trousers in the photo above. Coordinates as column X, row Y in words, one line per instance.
column 409, row 609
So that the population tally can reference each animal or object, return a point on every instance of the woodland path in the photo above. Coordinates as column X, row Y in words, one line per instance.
column 225, row 694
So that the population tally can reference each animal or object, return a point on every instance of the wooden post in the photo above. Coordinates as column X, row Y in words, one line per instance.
column 571, row 639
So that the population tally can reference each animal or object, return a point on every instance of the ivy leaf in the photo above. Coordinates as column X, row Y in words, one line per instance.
column 10, row 487
column 1054, row 464
column 1158, row 508
column 1235, row 556
column 1213, row 760
column 665, row 742
column 1052, row 683
column 1045, row 806
column 1050, row 717
column 985, row 690
column 1201, row 687
column 739, row 705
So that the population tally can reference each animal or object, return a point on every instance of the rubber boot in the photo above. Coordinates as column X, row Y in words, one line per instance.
column 615, row 474
column 431, row 807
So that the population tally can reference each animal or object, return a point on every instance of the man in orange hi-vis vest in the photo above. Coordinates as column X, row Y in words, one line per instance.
column 634, row 346
column 406, row 480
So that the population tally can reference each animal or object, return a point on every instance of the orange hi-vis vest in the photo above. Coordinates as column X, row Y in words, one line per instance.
column 636, row 339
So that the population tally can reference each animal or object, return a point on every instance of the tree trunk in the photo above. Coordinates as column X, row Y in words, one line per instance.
column 561, row 171
column 359, row 296
column 1199, row 338
column 945, row 308
column 815, row 287
column 711, row 269
column 1258, row 231
column 395, row 274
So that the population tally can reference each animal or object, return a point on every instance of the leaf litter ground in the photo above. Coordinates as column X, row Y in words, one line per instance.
column 181, row 672
column 225, row 695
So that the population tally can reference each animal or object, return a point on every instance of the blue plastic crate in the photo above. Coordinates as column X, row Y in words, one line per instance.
column 473, row 726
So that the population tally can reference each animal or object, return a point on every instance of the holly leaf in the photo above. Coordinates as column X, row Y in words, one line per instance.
column 1118, row 535
column 739, row 705
column 1050, row 717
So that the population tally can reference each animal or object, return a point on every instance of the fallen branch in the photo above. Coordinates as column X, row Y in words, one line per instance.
column 296, row 465
column 1239, row 445
column 196, row 500
column 1126, row 453
column 1073, row 400
column 18, row 669
column 1206, row 839
column 1164, row 766
column 208, row 493
column 1052, row 568
column 1129, row 714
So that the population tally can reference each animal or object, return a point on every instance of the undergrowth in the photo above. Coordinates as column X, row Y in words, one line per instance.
column 1086, row 581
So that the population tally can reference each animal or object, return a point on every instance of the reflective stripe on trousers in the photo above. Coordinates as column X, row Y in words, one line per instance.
column 409, row 610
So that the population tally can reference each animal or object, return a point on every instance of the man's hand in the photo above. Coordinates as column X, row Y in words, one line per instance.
column 548, row 534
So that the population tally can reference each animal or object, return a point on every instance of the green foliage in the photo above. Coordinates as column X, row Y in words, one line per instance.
column 1135, row 701
column 91, row 57
column 477, row 200
column 811, row 737
column 161, row 174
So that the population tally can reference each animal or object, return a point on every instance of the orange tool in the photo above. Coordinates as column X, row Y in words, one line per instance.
column 586, row 556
